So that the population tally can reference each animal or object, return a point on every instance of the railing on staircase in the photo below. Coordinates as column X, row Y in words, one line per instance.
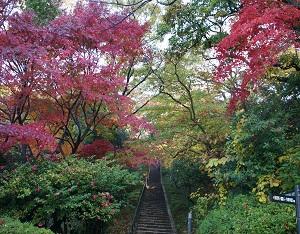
column 138, row 207
column 167, row 202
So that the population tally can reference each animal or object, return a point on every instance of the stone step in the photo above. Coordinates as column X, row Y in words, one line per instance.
column 162, row 210
column 153, row 221
column 154, row 230
column 157, row 208
column 154, row 217
column 158, row 222
column 151, row 232
column 154, row 226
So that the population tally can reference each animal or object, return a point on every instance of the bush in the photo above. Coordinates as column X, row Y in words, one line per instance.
column 99, row 148
column 243, row 214
column 13, row 226
column 69, row 191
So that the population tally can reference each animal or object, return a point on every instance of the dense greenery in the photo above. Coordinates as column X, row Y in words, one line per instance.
column 13, row 226
column 73, row 191
column 243, row 214
column 187, row 177
column 263, row 145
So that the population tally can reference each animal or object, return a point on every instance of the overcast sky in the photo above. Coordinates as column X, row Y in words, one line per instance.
column 69, row 3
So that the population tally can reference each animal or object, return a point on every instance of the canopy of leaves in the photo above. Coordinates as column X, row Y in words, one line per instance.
column 196, row 24
column 262, row 31
column 189, row 115
column 67, row 76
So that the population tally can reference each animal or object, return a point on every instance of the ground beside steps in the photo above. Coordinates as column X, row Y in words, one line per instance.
column 153, row 217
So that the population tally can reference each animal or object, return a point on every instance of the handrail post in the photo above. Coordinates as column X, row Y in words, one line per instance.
column 190, row 222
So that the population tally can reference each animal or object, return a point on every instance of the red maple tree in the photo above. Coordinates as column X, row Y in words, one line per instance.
column 263, row 29
column 66, row 76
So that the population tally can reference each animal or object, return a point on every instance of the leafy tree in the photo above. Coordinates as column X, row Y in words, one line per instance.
column 98, row 148
column 61, row 82
column 262, row 31
column 187, row 176
column 190, row 120
column 264, row 141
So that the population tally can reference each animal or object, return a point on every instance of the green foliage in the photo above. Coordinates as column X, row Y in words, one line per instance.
column 186, row 175
column 69, row 190
column 203, row 205
column 262, row 152
column 257, row 140
column 13, row 226
column 243, row 214
column 45, row 10
column 191, row 122
column 289, row 171
column 196, row 23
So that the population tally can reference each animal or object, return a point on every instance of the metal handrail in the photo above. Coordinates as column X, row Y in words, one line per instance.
column 137, row 209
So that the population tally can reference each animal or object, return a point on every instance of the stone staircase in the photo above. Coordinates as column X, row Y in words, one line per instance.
column 153, row 216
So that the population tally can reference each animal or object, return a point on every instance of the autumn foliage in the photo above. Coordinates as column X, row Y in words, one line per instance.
column 99, row 148
column 63, row 80
column 263, row 29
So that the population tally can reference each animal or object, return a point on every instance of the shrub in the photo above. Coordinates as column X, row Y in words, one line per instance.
column 52, row 193
column 243, row 214
column 14, row 226
column 98, row 149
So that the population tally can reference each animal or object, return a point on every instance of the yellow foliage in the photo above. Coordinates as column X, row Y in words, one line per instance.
column 222, row 192
column 214, row 162
column 263, row 185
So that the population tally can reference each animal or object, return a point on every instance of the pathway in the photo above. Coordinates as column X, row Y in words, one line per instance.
column 153, row 217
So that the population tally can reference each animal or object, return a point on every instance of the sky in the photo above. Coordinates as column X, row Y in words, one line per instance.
column 69, row 3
